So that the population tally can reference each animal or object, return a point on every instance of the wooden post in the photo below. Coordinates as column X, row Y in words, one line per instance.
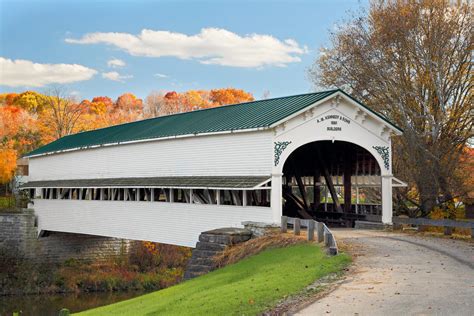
column 347, row 181
column 218, row 197
column 310, row 229
column 316, row 190
column 152, row 194
column 326, row 198
column 235, row 197
column 208, row 196
column 329, row 183
column 357, row 196
column 302, row 189
column 448, row 231
column 297, row 226
column 284, row 223
column 244, row 198
column 171, row 195
column 320, row 230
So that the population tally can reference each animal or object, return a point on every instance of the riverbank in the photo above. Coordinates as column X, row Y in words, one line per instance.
column 147, row 267
column 248, row 287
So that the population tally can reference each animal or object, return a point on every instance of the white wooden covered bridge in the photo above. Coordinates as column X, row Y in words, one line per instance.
column 319, row 155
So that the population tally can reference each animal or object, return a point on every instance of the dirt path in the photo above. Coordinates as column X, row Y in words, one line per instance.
column 399, row 274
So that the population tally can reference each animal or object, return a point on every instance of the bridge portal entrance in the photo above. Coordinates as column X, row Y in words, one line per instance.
column 334, row 182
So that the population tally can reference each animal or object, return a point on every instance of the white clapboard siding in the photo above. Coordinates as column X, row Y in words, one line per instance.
column 170, row 223
column 249, row 153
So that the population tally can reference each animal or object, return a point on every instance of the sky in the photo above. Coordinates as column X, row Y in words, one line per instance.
column 107, row 48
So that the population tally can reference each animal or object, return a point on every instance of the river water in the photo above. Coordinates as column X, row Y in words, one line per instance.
column 45, row 305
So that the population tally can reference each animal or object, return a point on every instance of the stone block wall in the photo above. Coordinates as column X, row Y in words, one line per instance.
column 19, row 236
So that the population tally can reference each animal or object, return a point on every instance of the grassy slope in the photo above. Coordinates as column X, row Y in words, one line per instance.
column 245, row 288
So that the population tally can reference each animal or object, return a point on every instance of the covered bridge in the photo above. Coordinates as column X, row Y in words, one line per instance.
column 320, row 155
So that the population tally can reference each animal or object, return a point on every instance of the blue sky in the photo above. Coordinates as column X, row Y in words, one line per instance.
column 253, row 45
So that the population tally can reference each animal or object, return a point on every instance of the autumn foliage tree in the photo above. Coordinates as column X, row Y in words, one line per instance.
column 412, row 61
column 127, row 108
column 219, row 97
column 18, row 134
column 101, row 105
column 60, row 115
column 158, row 104
column 30, row 119
column 7, row 163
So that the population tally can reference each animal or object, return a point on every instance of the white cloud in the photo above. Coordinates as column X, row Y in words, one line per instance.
column 115, row 76
column 210, row 46
column 160, row 75
column 19, row 72
column 115, row 63
column 75, row 93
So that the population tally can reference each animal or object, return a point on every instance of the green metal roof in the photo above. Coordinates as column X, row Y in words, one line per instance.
column 249, row 115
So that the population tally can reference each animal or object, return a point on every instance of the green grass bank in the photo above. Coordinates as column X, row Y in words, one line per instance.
column 248, row 287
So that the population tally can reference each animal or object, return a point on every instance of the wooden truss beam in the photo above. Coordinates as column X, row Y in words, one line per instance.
column 329, row 183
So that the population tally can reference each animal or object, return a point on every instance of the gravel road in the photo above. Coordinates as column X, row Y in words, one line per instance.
column 400, row 274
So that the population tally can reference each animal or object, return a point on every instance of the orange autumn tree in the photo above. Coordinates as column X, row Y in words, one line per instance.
column 229, row 96
column 101, row 111
column 18, row 135
column 30, row 119
column 97, row 114
column 7, row 163
column 7, row 98
column 101, row 105
column 158, row 104
column 466, row 172
column 127, row 108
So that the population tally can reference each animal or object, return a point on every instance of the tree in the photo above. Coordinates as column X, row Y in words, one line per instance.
column 7, row 98
column 229, row 96
column 7, row 163
column 411, row 60
column 18, row 129
column 128, row 102
column 61, row 114
column 31, row 101
column 127, row 108
column 173, row 102
column 18, row 135
column 101, row 105
column 154, row 104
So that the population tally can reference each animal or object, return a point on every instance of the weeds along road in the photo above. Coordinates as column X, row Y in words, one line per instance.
column 400, row 274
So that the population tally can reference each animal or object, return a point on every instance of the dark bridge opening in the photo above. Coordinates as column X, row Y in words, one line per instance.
column 333, row 182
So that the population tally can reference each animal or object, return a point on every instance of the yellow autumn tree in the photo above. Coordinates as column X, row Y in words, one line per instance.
column 411, row 61
column 8, row 157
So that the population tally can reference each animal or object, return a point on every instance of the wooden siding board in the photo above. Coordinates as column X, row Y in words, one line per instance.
column 241, row 154
column 171, row 223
